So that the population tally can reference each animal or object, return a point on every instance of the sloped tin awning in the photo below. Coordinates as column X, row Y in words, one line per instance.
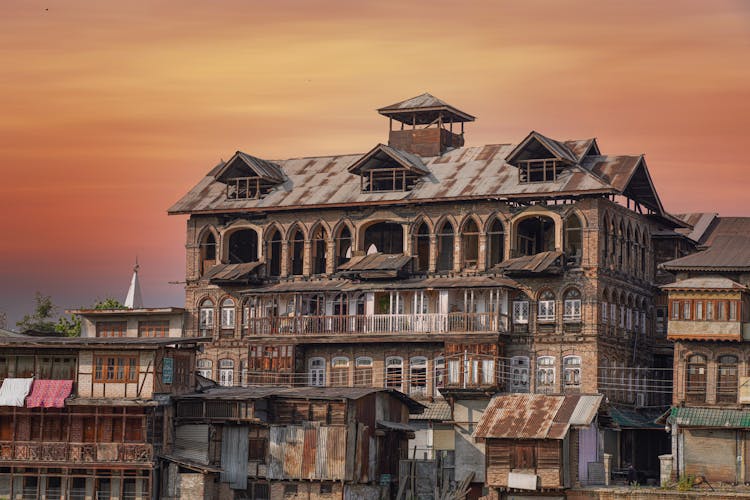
column 49, row 393
column 543, row 262
column 225, row 273
column 376, row 265
column 723, row 418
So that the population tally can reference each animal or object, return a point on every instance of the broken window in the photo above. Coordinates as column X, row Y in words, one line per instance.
column 273, row 254
column 243, row 246
column 545, row 374
column 470, row 244
column 418, row 375
column 445, row 238
column 726, row 385
column 541, row 170
column 343, row 246
column 319, row 247
column 340, row 371
column 535, row 235
column 573, row 240
column 422, row 246
column 695, row 388
column 384, row 237
column 298, row 252
column 495, row 244
column 387, row 179
column 521, row 312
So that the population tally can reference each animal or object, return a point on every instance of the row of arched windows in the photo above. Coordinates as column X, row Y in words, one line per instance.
column 625, row 311
column 625, row 247
column 435, row 248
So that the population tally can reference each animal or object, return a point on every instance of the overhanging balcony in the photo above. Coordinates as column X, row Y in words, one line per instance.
column 90, row 453
column 378, row 324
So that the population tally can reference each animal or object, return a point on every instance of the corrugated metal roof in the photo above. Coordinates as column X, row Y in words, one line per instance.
column 535, row 416
column 726, row 253
column 705, row 283
column 710, row 417
column 537, row 263
column 463, row 173
column 700, row 223
column 394, row 426
column 376, row 262
column 232, row 272
column 262, row 168
column 382, row 153
column 435, row 410
column 421, row 103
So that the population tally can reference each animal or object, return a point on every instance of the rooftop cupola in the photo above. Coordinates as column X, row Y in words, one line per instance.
column 427, row 125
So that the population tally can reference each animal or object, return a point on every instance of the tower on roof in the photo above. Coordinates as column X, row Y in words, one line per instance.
column 133, row 300
column 427, row 125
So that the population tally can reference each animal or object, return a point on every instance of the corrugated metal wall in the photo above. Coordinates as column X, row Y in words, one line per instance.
column 191, row 443
column 234, row 456
column 307, row 451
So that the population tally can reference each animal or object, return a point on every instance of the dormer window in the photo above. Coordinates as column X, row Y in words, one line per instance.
column 386, row 169
column 387, row 179
column 540, row 159
column 249, row 178
column 544, row 170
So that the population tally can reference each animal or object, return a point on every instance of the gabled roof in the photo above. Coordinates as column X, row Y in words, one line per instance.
column 728, row 242
column 629, row 175
column 699, row 222
column 706, row 283
column 583, row 147
column 556, row 148
column 245, row 165
column 423, row 105
column 382, row 155
column 536, row 416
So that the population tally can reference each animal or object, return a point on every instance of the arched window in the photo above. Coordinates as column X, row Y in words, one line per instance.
column 340, row 371
column 394, row 372
column 273, row 254
column 572, row 305
column 243, row 246
column 573, row 240
column 319, row 247
column 207, row 251
column 621, row 247
column 605, row 240
column 298, row 253
column 422, row 247
column 439, row 375
column 363, row 371
column 445, row 248
column 227, row 314
column 545, row 374
column 521, row 310
column 535, row 235
column 628, row 249
column 470, row 245
column 317, row 372
column 206, row 317
column 495, row 243
column 572, row 371
column 384, row 237
column 695, row 386
column 226, row 372
column 343, row 246
column 205, row 368
column 546, row 307
column 519, row 374
column 418, row 375
column 726, row 382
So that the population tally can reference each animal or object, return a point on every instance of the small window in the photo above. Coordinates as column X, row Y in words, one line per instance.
column 206, row 313
column 572, row 310
column 521, row 312
column 340, row 371
column 153, row 328
column 226, row 372
column 572, row 371
column 363, row 372
column 695, row 386
column 317, row 372
column 675, row 309
column 699, row 310
column 394, row 372
column 545, row 373
column 439, row 374
column 604, row 312
column 115, row 368
column 709, row 310
column 546, row 307
column 732, row 310
column 387, row 179
column 204, row 367
column 111, row 328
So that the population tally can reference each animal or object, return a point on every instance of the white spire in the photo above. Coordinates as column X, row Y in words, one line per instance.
column 134, row 300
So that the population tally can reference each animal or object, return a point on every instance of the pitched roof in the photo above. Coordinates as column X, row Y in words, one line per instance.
column 535, row 416
column 705, row 283
column 699, row 222
column 404, row 110
column 723, row 418
column 541, row 262
column 559, row 149
column 232, row 272
column 728, row 242
column 465, row 173
column 385, row 154
column 248, row 165
column 436, row 410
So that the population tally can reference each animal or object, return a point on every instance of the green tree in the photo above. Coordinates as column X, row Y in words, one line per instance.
column 70, row 327
column 109, row 303
column 42, row 319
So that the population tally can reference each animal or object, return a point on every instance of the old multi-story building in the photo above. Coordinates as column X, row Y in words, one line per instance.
column 709, row 323
column 85, row 418
column 442, row 270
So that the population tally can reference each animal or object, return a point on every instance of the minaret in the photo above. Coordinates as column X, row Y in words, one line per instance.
column 133, row 299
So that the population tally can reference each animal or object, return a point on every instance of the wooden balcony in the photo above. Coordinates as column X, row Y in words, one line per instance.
column 46, row 452
column 377, row 324
column 705, row 330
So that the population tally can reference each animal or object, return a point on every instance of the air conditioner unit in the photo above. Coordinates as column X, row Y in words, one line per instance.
column 640, row 399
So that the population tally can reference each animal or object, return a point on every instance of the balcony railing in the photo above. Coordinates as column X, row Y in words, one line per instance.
column 20, row 451
column 378, row 324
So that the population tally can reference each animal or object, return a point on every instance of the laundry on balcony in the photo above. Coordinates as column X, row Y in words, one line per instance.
column 540, row 263
column 377, row 265
column 13, row 392
column 49, row 393
column 231, row 273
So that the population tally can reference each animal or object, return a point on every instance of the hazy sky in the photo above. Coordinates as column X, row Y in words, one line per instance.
column 110, row 111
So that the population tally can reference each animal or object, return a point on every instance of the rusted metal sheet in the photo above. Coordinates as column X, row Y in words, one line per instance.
column 276, row 443
column 376, row 262
column 423, row 102
column 473, row 172
column 309, row 452
column 537, row 263
column 336, row 452
column 729, row 250
column 257, row 166
column 293, row 451
column 232, row 272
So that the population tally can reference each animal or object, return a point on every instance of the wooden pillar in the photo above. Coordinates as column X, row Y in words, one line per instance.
column 457, row 250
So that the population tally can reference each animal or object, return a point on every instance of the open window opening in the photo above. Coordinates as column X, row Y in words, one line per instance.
column 470, row 245
column 207, row 251
column 445, row 242
column 535, row 235
column 243, row 246
column 273, row 254
column 422, row 246
column 319, row 247
column 343, row 246
column 573, row 231
column 384, row 237
column 495, row 243
column 298, row 253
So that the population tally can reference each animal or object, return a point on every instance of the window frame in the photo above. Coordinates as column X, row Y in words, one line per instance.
column 124, row 369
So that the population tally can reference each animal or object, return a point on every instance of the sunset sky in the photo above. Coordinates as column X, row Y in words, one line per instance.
column 110, row 111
